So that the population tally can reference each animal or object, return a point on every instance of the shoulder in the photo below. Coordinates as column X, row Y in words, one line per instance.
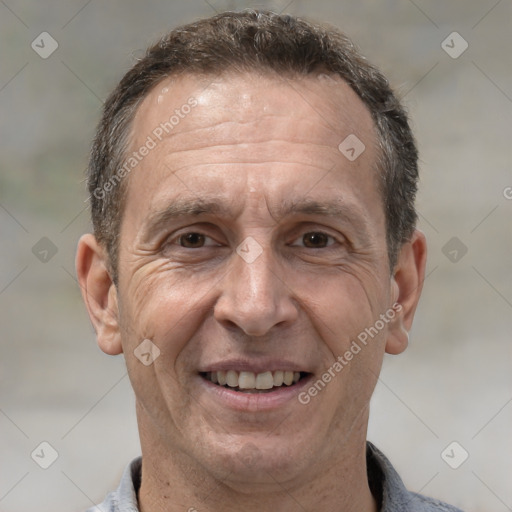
column 389, row 490
column 107, row 505
column 420, row 503
column 425, row 504
column 124, row 498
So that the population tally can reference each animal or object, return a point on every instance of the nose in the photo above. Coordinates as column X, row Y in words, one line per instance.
column 254, row 297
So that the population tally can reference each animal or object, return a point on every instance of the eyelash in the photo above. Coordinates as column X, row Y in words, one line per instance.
column 175, row 240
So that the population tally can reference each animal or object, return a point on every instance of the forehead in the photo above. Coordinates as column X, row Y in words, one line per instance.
column 321, row 100
column 249, row 129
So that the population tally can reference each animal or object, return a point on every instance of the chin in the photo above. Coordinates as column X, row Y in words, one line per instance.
column 260, row 459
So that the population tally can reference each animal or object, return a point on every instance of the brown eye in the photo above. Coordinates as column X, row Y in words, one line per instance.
column 192, row 240
column 315, row 240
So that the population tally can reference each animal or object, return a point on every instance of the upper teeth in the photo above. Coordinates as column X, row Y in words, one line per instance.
column 250, row 380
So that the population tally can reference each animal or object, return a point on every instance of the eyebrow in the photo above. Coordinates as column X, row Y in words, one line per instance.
column 181, row 207
column 336, row 209
column 196, row 207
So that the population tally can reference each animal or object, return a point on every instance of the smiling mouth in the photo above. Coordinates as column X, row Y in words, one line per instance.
column 249, row 382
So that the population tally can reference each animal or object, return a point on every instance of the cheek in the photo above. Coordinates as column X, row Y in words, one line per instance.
column 163, row 306
column 344, row 306
column 160, row 307
column 345, row 312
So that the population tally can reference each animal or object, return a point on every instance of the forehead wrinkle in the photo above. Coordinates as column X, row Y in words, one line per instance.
column 174, row 169
column 246, row 144
column 230, row 133
column 334, row 111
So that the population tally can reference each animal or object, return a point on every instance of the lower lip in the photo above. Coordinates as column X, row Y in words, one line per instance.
column 254, row 402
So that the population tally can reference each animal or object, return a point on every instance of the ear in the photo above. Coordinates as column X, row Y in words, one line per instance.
column 407, row 283
column 99, row 293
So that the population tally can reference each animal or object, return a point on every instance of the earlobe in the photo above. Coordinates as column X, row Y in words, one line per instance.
column 398, row 339
column 407, row 283
column 99, row 293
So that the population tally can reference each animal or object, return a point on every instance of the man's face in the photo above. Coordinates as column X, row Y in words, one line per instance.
column 251, row 243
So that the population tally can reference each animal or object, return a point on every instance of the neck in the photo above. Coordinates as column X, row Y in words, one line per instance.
column 172, row 481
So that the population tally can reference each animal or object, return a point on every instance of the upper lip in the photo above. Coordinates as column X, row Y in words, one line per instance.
column 255, row 365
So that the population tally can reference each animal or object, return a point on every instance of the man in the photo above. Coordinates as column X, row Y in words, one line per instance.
column 254, row 256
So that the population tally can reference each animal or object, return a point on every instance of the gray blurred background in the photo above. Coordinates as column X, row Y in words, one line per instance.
column 454, row 382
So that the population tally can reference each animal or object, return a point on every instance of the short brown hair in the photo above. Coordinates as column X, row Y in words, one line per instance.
column 263, row 41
